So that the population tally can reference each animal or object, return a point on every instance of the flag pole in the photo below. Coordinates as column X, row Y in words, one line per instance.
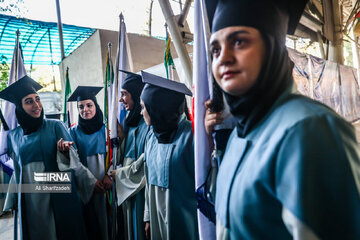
column 67, row 105
column 203, row 89
column 17, row 55
column 121, row 17
column 60, row 26
column 17, row 78
column 107, row 105
column 113, row 146
column 178, row 41
column 122, row 63
column 17, row 71
column 169, row 68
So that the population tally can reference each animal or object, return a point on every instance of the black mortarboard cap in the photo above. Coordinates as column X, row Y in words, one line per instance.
column 84, row 93
column 133, row 84
column 160, row 82
column 127, row 72
column 19, row 89
column 164, row 100
column 130, row 79
column 268, row 16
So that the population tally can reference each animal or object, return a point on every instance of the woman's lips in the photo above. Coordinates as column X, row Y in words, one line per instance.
column 229, row 74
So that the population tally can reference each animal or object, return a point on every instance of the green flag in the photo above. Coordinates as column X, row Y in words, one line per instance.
column 67, row 94
column 168, row 60
column 109, row 80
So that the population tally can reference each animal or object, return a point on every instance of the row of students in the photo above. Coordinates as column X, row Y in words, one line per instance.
column 156, row 184
column 157, row 151
column 290, row 169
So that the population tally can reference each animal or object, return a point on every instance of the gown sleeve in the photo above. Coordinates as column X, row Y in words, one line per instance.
column 84, row 179
column 11, row 196
column 11, row 200
column 130, row 179
column 317, row 178
column 146, row 208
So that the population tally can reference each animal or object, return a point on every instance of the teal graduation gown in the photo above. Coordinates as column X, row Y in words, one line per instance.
column 45, row 215
column 296, row 175
column 135, row 144
column 170, row 199
column 92, row 153
column 130, row 182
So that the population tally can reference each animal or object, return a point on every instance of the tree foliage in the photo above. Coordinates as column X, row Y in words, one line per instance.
column 13, row 7
column 4, row 72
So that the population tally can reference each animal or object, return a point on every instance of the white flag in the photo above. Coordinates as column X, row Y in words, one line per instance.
column 123, row 62
column 203, row 87
column 8, row 108
column 112, row 96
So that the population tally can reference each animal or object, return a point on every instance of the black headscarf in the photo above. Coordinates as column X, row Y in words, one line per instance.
column 165, row 108
column 275, row 77
column 90, row 126
column 134, row 85
column 273, row 19
column 28, row 123
column 15, row 93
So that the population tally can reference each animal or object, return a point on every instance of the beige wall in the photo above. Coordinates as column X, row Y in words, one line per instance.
column 87, row 63
column 85, row 68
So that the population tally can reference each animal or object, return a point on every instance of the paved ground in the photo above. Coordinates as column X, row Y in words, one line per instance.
column 6, row 226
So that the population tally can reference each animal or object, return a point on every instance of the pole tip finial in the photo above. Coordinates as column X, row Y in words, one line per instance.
column 18, row 32
column 121, row 16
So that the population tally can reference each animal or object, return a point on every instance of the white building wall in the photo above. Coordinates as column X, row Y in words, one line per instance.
column 87, row 63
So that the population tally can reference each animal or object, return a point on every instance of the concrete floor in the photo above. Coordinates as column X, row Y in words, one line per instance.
column 6, row 226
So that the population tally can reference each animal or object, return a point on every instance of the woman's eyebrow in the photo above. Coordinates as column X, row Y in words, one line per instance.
column 213, row 42
column 234, row 34
column 230, row 36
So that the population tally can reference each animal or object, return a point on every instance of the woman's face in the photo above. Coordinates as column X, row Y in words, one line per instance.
column 87, row 109
column 126, row 99
column 32, row 105
column 145, row 113
column 238, row 54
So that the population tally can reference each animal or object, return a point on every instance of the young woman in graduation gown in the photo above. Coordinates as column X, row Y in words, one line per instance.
column 89, row 139
column 170, row 200
column 291, row 166
column 33, row 147
column 130, row 178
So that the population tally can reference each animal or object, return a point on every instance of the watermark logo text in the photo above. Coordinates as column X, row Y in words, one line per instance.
column 52, row 177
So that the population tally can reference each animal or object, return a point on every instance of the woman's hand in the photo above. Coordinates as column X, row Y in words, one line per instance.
column 99, row 187
column 211, row 118
column 147, row 230
column 64, row 147
column 113, row 173
column 107, row 182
